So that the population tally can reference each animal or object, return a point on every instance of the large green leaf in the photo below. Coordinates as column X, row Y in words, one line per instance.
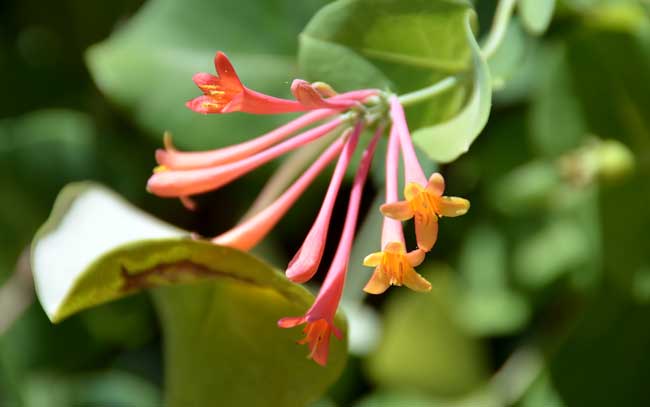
column 446, row 141
column 405, row 46
column 396, row 44
column 147, row 65
column 218, row 305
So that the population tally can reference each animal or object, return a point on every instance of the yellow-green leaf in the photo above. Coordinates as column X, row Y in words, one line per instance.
column 218, row 306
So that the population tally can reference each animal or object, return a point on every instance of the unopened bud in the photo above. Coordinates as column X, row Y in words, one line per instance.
column 615, row 160
column 324, row 89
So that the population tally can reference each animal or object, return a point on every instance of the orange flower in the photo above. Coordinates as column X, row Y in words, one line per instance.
column 426, row 203
column 317, row 335
column 394, row 266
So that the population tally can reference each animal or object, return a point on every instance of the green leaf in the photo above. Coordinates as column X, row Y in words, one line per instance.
column 89, row 222
column 397, row 44
column 446, row 141
column 536, row 15
column 147, row 65
column 218, row 306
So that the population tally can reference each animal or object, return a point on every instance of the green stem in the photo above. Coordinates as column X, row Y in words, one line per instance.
column 498, row 30
column 428, row 92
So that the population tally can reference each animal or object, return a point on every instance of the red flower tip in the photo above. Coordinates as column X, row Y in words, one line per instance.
column 317, row 336
column 221, row 94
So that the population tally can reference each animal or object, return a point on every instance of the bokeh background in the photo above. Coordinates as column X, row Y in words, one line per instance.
column 541, row 292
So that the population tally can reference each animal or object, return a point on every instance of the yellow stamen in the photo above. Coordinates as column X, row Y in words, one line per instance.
column 395, row 267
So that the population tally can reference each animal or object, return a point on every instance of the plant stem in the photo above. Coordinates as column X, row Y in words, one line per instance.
column 498, row 30
column 428, row 92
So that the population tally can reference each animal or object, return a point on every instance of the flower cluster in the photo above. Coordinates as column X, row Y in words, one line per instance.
column 348, row 115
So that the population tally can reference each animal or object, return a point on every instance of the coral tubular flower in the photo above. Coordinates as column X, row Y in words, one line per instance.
column 225, row 94
column 319, row 319
column 170, row 158
column 305, row 263
column 178, row 183
column 173, row 159
column 250, row 232
column 184, row 174
column 423, row 199
column 426, row 204
column 393, row 265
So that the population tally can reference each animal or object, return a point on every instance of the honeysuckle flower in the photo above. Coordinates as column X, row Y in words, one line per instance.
column 183, row 174
column 171, row 158
column 393, row 265
column 250, row 232
column 319, row 319
column 178, row 183
column 423, row 198
column 305, row 263
column 225, row 94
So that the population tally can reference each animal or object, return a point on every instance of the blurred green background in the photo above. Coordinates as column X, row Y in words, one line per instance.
column 541, row 292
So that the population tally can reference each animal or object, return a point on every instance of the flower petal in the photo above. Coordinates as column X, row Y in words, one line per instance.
column 226, row 71
column 204, row 104
column 426, row 231
column 188, row 202
column 412, row 190
column 415, row 257
column 378, row 283
column 436, row 184
column 206, row 82
column 320, row 349
column 400, row 210
column 373, row 259
column 415, row 281
column 451, row 206
column 290, row 322
column 309, row 97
